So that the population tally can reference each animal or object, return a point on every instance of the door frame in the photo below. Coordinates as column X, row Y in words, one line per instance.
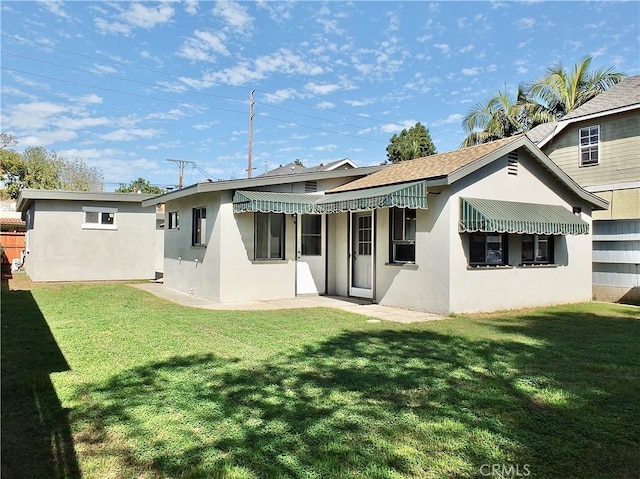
column 355, row 291
column 322, row 286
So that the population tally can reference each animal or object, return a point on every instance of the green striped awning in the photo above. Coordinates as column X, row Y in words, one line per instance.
column 493, row 216
column 408, row 195
column 273, row 202
column 412, row 195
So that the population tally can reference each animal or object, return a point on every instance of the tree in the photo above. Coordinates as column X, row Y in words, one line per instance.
column 140, row 186
column 559, row 91
column 543, row 100
column 500, row 117
column 409, row 144
column 41, row 169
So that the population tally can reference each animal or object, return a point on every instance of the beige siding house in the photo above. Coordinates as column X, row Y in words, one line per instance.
column 598, row 145
column 490, row 227
column 88, row 236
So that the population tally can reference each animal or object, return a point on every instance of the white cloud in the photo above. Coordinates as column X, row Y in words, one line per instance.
column 599, row 52
column 202, row 44
column 105, row 27
column 325, row 148
column 279, row 12
column 526, row 23
column 129, row 134
column 280, row 95
column 327, row 105
column 90, row 98
column 191, row 7
column 472, row 71
column 145, row 17
column 329, row 23
column 390, row 127
column 443, row 47
column 321, row 89
column 467, row 49
column 365, row 102
column 55, row 7
column 234, row 15
column 453, row 118
column 103, row 69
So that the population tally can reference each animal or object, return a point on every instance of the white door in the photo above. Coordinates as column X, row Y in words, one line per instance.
column 311, row 265
column 361, row 254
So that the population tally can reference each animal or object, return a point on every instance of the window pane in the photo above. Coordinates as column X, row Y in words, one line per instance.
column 476, row 248
column 311, row 224
column 527, row 249
column 262, row 235
column 410, row 225
column 91, row 217
column 311, row 245
column 398, row 217
column 542, row 250
column 494, row 249
column 277, row 239
column 107, row 218
column 311, row 235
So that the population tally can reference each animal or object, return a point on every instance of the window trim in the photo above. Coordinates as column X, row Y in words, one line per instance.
column 590, row 146
column 404, row 241
column 200, row 241
column 257, row 215
column 504, row 242
column 173, row 225
column 99, row 225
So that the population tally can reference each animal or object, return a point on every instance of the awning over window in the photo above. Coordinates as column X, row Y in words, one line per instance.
column 492, row 216
column 412, row 195
column 272, row 202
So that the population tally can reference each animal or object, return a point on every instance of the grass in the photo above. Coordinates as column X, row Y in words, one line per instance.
column 106, row 381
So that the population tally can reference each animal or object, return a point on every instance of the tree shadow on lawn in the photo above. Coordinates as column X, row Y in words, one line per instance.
column 387, row 403
column 36, row 438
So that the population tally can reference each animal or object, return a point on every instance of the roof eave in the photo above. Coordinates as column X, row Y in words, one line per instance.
column 258, row 181
column 28, row 196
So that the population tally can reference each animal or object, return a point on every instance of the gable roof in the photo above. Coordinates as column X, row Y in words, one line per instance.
column 623, row 96
column 446, row 168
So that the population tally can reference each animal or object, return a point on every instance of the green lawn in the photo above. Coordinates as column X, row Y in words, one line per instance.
column 104, row 380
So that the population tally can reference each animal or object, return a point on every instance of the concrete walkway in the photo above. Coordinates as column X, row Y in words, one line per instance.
column 352, row 305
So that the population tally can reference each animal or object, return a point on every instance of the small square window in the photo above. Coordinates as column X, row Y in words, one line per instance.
column 537, row 249
column 269, row 236
column 403, row 235
column 96, row 217
column 488, row 249
column 589, row 145
column 173, row 220
column 199, row 226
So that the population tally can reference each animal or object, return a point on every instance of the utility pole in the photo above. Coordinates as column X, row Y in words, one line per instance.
column 181, row 164
column 251, row 103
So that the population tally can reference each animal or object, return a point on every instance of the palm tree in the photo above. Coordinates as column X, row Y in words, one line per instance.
column 500, row 117
column 559, row 92
column 543, row 100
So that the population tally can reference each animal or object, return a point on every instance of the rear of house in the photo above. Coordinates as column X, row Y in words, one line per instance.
column 87, row 236
column 490, row 227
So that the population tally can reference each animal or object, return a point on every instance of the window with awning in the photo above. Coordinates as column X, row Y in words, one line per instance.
column 495, row 216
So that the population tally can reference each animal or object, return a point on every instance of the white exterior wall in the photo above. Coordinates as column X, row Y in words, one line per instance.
column 193, row 269
column 61, row 250
column 490, row 289
column 425, row 284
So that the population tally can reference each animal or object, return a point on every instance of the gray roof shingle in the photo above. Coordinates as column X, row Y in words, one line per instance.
column 625, row 93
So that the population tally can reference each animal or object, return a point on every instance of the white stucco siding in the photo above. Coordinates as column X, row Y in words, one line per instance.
column 242, row 277
column 61, row 249
column 488, row 289
column 187, row 268
column 425, row 284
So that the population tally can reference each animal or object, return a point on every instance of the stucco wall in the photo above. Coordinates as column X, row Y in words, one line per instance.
column 61, row 250
column 487, row 289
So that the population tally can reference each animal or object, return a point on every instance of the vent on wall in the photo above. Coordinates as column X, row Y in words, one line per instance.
column 512, row 163
column 310, row 186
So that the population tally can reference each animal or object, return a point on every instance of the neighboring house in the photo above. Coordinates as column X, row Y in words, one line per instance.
column 490, row 227
column 12, row 233
column 294, row 168
column 598, row 145
column 87, row 236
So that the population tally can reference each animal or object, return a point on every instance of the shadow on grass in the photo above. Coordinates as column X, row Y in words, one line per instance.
column 558, row 394
column 36, row 438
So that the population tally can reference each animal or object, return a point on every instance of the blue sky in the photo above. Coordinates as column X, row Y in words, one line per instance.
column 127, row 85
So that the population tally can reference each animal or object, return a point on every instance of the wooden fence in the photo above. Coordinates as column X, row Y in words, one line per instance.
column 12, row 244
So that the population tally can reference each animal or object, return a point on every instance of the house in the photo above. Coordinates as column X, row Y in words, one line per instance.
column 489, row 227
column 294, row 168
column 88, row 236
column 598, row 145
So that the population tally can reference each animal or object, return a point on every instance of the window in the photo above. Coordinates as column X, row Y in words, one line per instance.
column 311, row 235
column 99, row 218
column 537, row 249
column 269, row 236
column 174, row 220
column 589, row 145
column 199, row 227
column 403, row 235
column 488, row 249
